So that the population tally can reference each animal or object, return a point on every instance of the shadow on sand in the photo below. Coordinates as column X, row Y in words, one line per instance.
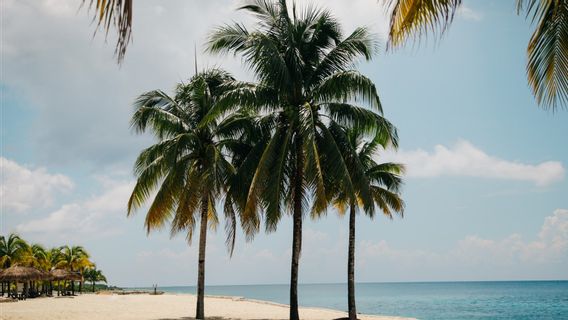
column 209, row 318
column 220, row 318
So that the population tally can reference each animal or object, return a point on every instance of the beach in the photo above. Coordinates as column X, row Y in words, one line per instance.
column 157, row 307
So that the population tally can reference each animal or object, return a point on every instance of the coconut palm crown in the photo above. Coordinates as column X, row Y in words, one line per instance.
column 306, row 80
column 73, row 258
column 94, row 275
column 12, row 250
column 187, row 166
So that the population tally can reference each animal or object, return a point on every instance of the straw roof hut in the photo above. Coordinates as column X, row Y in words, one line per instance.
column 22, row 274
column 46, row 275
column 62, row 274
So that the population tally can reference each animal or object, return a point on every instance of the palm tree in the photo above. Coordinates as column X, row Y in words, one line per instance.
column 187, row 165
column 12, row 250
column 35, row 256
column 304, row 68
column 384, row 183
column 74, row 259
column 94, row 275
column 547, row 66
column 52, row 258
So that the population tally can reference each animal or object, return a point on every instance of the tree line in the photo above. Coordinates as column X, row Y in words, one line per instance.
column 16, row 251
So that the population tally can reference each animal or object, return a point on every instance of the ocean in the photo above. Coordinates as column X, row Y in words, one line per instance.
column 422, row 300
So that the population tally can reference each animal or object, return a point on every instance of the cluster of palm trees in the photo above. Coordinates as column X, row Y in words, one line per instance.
column 304, row 136
column 16, row 251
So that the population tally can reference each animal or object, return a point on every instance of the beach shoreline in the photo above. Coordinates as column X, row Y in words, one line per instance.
column 168, row 306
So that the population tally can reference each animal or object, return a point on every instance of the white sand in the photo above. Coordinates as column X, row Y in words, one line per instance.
column 162, row 307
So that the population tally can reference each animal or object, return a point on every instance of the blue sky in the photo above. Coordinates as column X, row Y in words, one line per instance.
column 486, row 189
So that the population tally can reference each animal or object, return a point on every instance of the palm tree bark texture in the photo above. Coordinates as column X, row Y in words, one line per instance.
column 200, row 312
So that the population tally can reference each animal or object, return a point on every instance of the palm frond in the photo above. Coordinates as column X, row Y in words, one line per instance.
column 118, row 14
column 314, row 175
column 159, row 111
column 163, row 206
column 348, row 86
column 415, row 18
column 547, row 66
column 388, row 201
column 342, row 57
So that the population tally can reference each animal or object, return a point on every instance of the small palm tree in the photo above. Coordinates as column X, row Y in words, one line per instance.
column 12, row 250
column 304, row 67
column 383, row 181
column 94, row 275
column 74, row 259
column 53, row 258
column 187, row 165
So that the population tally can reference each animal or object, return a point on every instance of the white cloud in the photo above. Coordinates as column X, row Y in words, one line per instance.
column 82, row 98
column 86, row 85
column 25, row 188
column 550, row 245
column 478, row 258
column 95, row 216
column 468, row 13
column 323, row 255
column 465, row 159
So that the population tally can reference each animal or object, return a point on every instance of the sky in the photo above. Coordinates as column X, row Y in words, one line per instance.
column 486, row 190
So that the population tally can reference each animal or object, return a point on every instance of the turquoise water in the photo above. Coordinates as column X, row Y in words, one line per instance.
column 428, row 300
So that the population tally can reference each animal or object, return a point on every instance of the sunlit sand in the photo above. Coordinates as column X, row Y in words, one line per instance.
column 161, row 307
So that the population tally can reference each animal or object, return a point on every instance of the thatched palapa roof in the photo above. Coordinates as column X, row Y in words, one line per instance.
column 62, row 274
column 19, row 273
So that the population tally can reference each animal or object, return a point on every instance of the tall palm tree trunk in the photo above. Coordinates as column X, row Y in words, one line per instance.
column 200, row 313
column 297, row 232
column 351, row 266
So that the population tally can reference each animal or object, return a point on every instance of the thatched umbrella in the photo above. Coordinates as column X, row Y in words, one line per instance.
column 62, row 274
column 46, row 275
column 18, row 273
column 21, row 274
column 47, row 288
